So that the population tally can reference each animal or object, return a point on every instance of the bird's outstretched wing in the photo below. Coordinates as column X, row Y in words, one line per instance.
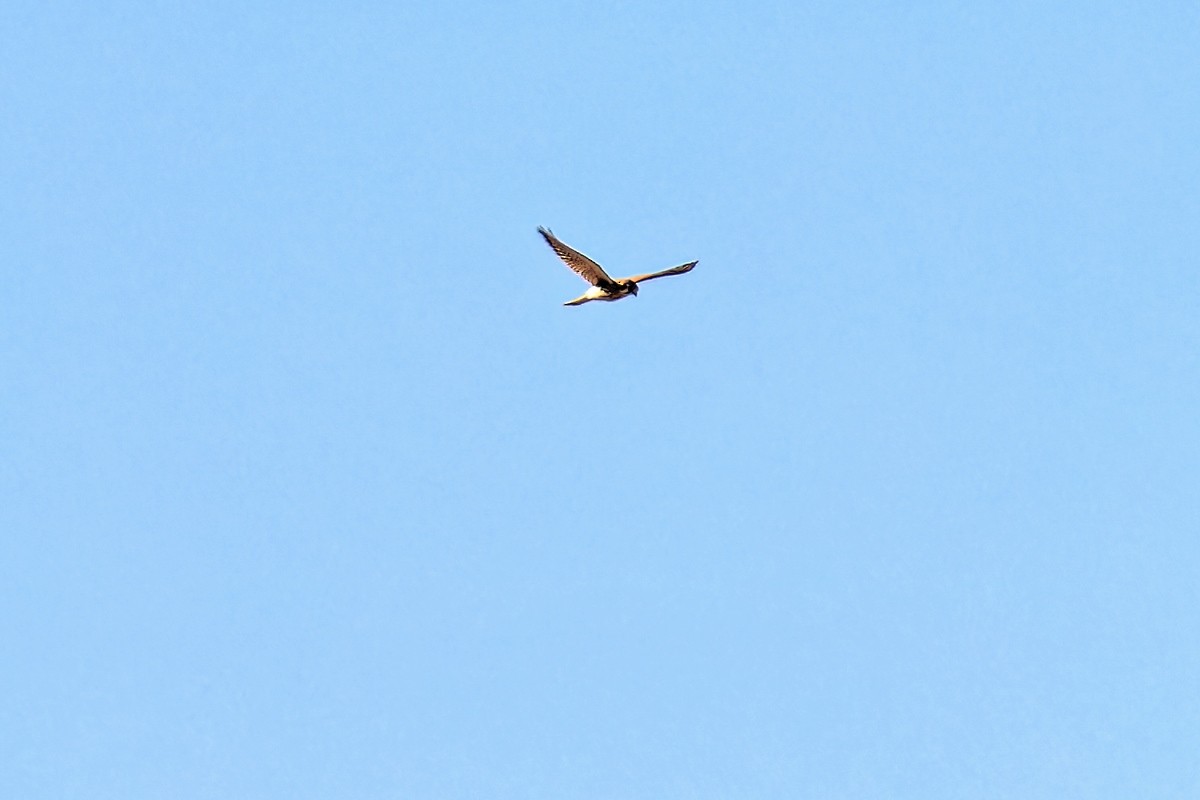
column 587, row 269
column 682, row 268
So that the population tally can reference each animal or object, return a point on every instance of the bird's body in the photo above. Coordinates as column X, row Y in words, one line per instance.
column 600, row 293
column 603, row 287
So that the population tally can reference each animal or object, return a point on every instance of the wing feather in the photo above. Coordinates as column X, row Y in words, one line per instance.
column 587, row 269
column 682, row 268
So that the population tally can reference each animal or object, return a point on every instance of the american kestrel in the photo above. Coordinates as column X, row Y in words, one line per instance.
column 603, row 287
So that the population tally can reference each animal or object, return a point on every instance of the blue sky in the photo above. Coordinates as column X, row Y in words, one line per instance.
column 310, row 487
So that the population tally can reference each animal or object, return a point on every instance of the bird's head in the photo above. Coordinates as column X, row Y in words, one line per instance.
column 632, row 286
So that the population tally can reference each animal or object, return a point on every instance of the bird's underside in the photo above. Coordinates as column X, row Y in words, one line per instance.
column 603, row 287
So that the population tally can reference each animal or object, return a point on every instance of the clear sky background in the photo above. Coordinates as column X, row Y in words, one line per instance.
column 310, row 487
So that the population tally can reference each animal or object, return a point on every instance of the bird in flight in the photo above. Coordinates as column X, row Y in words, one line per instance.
column 603, row 287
